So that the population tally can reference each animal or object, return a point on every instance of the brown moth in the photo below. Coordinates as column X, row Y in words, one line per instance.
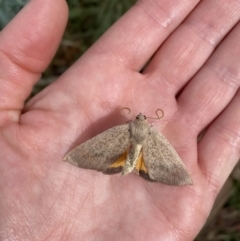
column 132, row 147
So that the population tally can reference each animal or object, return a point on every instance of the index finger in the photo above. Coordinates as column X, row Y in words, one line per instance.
column 145, row 27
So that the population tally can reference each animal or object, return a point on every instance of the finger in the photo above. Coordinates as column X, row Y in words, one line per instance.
column 219, row 149
column 134, row 38
column 214, row 86
column 190, row 45
column 27, row 45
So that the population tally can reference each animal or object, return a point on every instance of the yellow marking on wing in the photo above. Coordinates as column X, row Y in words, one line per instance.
column 140, row 165
column 120, row 162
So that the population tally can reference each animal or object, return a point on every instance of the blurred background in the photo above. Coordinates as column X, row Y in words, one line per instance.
column 88, row 20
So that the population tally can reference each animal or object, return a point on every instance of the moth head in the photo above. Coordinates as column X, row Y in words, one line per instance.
column 140, row 116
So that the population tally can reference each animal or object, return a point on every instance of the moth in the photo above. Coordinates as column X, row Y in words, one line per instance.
column 132, row 147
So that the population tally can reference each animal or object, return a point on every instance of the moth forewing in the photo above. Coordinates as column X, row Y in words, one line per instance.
column 162, row 161
column 102, row 150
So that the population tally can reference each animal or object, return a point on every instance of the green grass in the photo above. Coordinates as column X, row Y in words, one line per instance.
column 234, row 200
column 8, row 9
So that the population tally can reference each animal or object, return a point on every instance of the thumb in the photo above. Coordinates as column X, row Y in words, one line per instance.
column 27, row 45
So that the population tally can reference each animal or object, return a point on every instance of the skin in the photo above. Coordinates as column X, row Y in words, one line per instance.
column 44, row 198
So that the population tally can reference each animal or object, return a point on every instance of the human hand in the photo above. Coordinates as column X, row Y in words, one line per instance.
column 43, row 197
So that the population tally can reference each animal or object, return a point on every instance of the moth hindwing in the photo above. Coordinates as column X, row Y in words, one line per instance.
column 132, row 147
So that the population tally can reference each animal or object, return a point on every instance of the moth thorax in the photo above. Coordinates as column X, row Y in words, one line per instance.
column 139, row 131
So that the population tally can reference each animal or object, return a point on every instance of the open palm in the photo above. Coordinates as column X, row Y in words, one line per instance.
column 44, row 198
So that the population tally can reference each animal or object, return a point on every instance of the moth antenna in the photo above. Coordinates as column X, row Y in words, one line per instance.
column 158, row 117
column 125, row 108
column 161, row 112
